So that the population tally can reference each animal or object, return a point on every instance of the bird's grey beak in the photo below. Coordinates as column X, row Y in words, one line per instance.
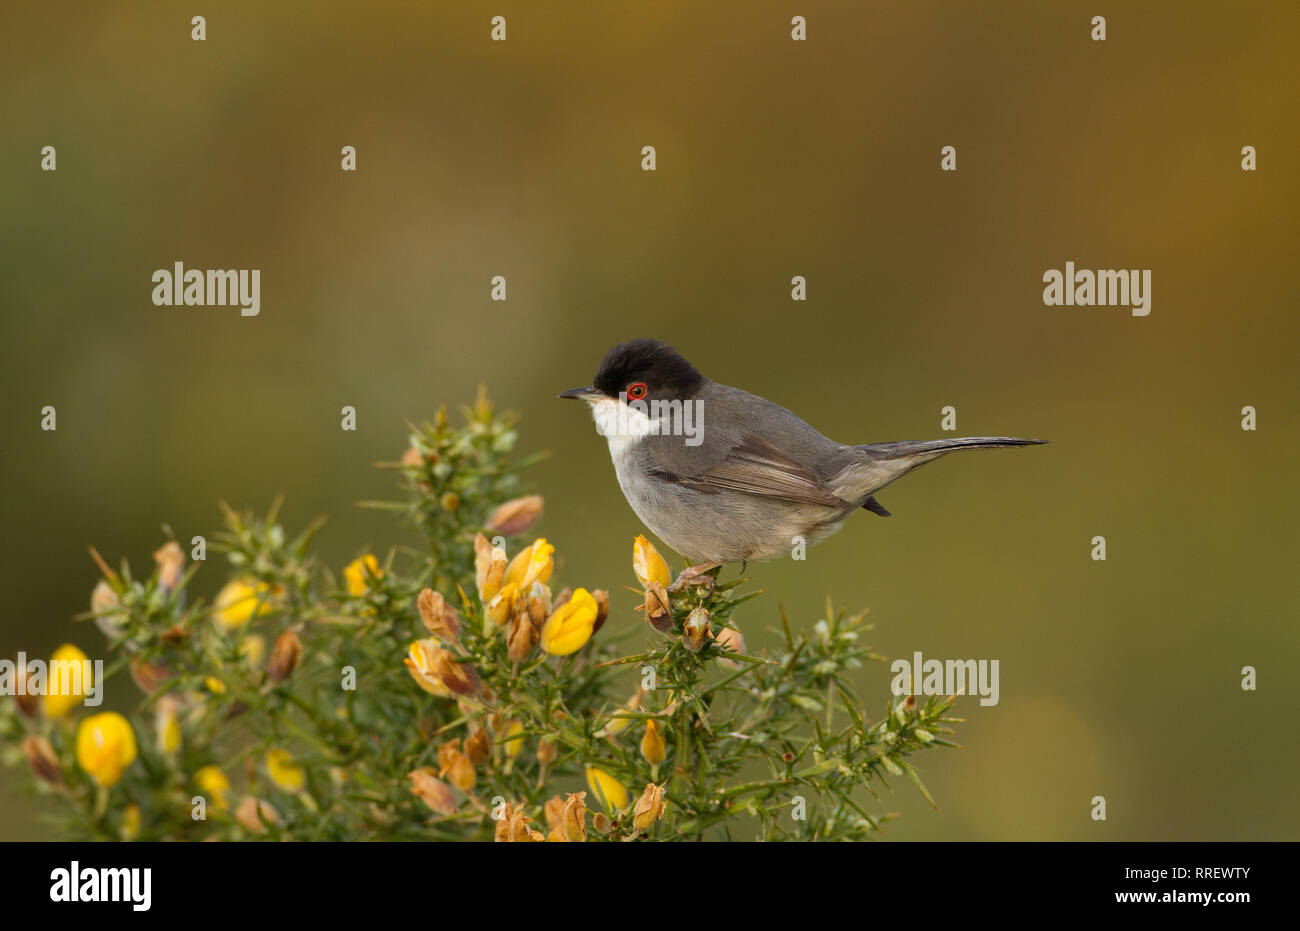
column 588, row 393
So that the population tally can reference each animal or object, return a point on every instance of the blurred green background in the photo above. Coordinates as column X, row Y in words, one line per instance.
column 775, row 158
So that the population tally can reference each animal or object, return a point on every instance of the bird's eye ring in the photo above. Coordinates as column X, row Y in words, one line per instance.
column 636, row 391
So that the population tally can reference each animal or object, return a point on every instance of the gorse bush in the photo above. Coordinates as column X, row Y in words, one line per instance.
column 456, row 691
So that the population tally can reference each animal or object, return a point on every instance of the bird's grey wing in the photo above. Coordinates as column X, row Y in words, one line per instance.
column 751, row 466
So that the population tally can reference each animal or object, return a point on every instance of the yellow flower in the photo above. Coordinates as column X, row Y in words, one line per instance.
column 514, row 739
column 489, row 568
column 648, row 565
column 253, row 648
column 239, row 601
column 130, row 829
column 502, row 604
column 570, row 625
column 533, row 564
column 283, row 772
column 167, row 725
column 652, row 744
column 105, row 747
column 359, row 572
column 420, row 662
column 69, row 677
column 607, row 788
column 215, row 685
column 214, row 784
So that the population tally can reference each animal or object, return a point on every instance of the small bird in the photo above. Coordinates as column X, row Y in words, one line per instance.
column 722, row 475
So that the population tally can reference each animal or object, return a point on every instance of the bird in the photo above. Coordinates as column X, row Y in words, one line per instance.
column 725, row 476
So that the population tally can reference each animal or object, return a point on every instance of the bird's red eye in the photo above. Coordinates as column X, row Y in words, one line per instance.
column 636, row 391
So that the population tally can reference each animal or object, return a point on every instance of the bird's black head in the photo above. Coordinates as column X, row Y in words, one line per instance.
column 646, row 368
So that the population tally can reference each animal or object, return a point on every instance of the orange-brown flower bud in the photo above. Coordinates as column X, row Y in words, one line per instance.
column 573, row 820
column 515, row 517
column 254, row 814
column 554, row 811
column 649, row 807
column 455, row 765
column 602, row 608
column 730, row 639
column 478, row 747
column 537, row 601
column 513, row 827
column 440, row 618
column 695, row 632
column 459, row 677
column 433, row 791
column 522, row 638
column 149, row 677
column 171, row 563
column 40, row 757
column 600, row 823
column 24, row 698
column 547, row 751
column 285, row 656
column 658, row 610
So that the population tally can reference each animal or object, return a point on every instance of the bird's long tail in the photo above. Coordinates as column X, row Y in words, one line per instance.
column 885, row 462
column 938, row 447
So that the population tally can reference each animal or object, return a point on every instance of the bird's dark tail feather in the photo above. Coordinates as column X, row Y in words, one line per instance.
column 935, row 447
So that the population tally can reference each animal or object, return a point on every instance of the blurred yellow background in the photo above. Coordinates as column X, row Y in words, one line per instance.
column 775, row 158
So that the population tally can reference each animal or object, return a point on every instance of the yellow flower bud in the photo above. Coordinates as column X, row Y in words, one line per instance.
column 105, row 747
column 68, row 677
column 284, row 657
column 215, row 785
column 40, row 757
column 649, row 807
column 533, row 564
column 439, row 618
column 570, row 625
column 619, row 720
column 500, row 608
column 420, row 663
column 514, row 739
column 167, row 725
column 433, row 791
column 239, row 601
column 515, row 516
column 653, row 747
column 253, row 649
column 606, row 788
column 648, row 565
column 489, row 568
column 283, row 771
column 130, row 828
column 359, row 573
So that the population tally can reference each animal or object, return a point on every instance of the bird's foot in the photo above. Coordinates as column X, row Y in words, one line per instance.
column 694, row 575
